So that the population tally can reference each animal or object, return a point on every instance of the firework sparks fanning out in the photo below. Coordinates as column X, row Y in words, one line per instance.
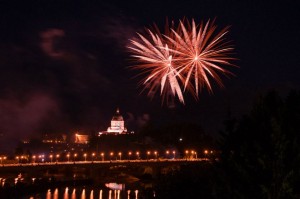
column 157, row 61
column 184, row 55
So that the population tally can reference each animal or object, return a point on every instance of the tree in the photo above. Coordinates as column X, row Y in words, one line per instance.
column 261, row 152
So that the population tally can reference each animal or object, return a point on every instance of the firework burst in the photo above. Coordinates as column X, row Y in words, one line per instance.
column 157, row 62
column 201, row 51
column 185, row 58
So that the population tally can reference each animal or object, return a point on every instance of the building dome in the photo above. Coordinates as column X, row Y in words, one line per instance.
column 117, row 116
column 117, row 124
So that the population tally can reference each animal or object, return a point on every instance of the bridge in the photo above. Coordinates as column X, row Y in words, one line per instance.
column 105, row 162
column 99, row 171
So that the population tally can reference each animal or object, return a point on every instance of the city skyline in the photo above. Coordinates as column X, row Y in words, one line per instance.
column 66, row 64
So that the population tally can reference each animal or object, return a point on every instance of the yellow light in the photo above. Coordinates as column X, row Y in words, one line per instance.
column 102, row 154
column 148, row 152
column 186, row 151
column 167, row 152
column 129, row 153
column 205, row 151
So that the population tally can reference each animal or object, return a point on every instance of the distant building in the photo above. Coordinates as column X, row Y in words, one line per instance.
column 54, row 138
column 117, row 125
column 81, row 138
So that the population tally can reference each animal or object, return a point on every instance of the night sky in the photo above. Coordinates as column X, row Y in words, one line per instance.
column 64, row 64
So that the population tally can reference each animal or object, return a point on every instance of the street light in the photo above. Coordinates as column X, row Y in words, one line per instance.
column 155, row 152
column 205, row 154
column 186, row 152
column 167, row 152
column 93, row 155
column 192, row 152
column 75, row 155
column 57, row 156
column 111, row 154
column 129, row 154
column 174, row 153
column 51, row 157
column 102, row 156
column 84, row 155
column 33, row 157
column 2, row 158
column 138, row 155
column 120, row 154
column 68, row 156
column 148, row 153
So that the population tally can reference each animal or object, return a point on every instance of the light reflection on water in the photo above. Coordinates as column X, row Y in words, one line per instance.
column 84, row 194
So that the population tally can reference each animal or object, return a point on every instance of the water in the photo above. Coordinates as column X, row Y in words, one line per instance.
column 85, row 193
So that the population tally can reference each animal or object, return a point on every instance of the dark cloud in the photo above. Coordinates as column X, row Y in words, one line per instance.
column 20, row 119
column 137, row 122
column 50, row 42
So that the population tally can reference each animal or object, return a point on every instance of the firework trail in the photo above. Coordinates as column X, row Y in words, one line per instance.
column 186, row 57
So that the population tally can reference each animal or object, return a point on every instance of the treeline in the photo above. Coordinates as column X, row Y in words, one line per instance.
column 260, row 156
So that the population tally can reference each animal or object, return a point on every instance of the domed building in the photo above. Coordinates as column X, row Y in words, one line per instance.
column 117, row 124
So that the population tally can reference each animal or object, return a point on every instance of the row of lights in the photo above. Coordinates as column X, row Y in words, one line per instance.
column 188, row 153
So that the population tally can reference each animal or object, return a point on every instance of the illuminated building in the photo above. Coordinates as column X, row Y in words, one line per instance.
column 54, row 139
column 81, row 138
column 117, row 125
